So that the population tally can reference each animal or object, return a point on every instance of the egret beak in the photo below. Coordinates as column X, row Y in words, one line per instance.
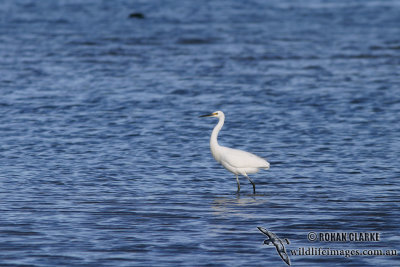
column 208, row 115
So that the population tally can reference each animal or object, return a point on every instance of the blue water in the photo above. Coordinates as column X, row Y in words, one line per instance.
column 104, row 161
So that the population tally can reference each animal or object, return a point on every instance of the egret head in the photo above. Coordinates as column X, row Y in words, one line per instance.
column 217, row 114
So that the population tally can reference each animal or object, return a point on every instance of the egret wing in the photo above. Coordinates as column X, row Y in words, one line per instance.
column 242, row 159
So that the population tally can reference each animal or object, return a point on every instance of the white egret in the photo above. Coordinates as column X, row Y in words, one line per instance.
column 234, row 160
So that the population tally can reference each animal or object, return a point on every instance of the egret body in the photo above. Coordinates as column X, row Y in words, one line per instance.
column 234, row 160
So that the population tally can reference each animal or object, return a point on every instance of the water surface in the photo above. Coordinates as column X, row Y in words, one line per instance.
column 104, row 161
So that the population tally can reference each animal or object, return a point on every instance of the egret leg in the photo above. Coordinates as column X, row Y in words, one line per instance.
column 251, row 181
column 237, row 180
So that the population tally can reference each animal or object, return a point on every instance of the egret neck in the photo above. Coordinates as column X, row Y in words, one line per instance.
column 214, row 136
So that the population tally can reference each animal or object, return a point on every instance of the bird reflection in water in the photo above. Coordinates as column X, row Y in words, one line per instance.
column 233, row 206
